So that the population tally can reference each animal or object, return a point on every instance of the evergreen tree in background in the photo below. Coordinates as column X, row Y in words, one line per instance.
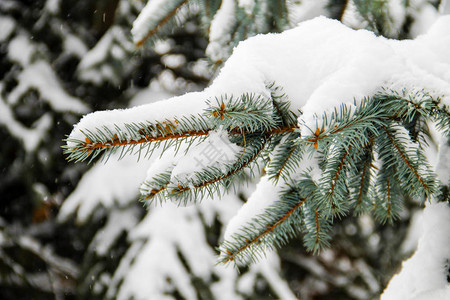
column 55, row 70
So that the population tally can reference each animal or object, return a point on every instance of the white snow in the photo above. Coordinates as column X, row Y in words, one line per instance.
column 98, row 53
column 20, row 50
column 444, row 8
column 270, row 270
column 443, row 164
column 30, row 137
column 219, row 33
column 98, row 64
column 7, row 24
column 114, row 184
column 145, row 19
column 423, row 276
column 215, row 151
column 412, row 237
column 41, row 76
column 247, row 5
column 163, row 46
column 263, row 197
column 300, row 11
column 152, row 257
column 74, row 45
column 425, row 14
column 397, row 14
column 173, row 60
column 52, row 6
column 119, row 220
column 352, row 18
column 187, row 104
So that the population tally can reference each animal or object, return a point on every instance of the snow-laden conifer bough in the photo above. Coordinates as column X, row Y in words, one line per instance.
column 337, row 119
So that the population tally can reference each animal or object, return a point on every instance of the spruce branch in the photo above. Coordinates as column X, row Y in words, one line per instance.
column 415, row 181
column 286, row 158
column 388, row 197
column 360, row 180
column 274, row 228
column 153, row 189
column 249, row 111
column 367, row 156
column 210, row 179
column 153, row 134
column 315, row 227
column 411, row 106
column 166, row 12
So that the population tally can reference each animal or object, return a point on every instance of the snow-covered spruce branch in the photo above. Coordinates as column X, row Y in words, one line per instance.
column 225, row 22
column 155, row 17
column 360, row 156
column 344, row 147
column 248, row 115
column 206, row 181
column 347, row 180
column 282, row 220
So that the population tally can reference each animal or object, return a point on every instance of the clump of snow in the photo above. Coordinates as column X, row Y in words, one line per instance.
column 219, row 34
column 413, row 235
column 443, row 165
column 265, row 195
column 30, row 137
column 113, row 184
column 119, row 220
column 444, row 8
column 351, row 16
column 114, row 45
column 74, row 45
column 41, row 76
column 247, row 5
column 145, row 19
column 321, row 64
column 397, row 15
column 215, row 151
column 53, row 6
column 163, row 46
column 424, row 14
column 7, row 24
column 300, row 11
column 173, row 60
column 423, row 276
column 99, row 53
column 21, row 50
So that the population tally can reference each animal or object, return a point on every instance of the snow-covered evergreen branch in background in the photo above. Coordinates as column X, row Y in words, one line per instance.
column 227, row 22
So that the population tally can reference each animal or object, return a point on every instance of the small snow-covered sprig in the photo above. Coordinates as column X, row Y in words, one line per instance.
column 144, row 135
